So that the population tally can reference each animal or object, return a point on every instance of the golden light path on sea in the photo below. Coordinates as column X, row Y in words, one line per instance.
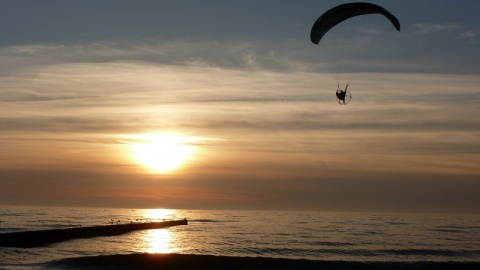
column 158, row 240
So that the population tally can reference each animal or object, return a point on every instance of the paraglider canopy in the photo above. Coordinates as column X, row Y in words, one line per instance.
column 343, row 12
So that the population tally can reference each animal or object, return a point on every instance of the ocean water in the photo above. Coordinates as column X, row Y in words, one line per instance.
column 328, row 236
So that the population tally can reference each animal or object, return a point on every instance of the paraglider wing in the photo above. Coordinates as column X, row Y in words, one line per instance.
column 343, row 12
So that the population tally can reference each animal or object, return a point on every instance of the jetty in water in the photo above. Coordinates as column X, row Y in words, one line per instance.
column 45, row 237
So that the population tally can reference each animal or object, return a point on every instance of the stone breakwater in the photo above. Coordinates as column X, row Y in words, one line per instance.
column 45, row 237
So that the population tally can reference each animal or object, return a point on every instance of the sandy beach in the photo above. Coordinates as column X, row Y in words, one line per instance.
column 183, row 261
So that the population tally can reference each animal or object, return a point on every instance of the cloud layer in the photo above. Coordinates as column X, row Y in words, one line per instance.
column 66, row 109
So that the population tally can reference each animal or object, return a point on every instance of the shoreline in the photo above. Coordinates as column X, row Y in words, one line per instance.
column 212, row 262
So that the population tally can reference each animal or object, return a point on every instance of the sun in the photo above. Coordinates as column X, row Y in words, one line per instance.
column 161, row 153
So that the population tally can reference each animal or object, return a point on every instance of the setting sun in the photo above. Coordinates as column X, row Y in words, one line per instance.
column 161, row 153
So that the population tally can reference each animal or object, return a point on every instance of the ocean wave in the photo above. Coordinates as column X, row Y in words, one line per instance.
column 396, row 223
column 13, row 214
column 449, row 229
column 336, row 244
column 208, row 220
column 432, row 252
column 301, row 252
column 347, row 252
column 203, row 220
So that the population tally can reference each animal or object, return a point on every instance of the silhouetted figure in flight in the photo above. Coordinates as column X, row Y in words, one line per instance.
column 341, row 93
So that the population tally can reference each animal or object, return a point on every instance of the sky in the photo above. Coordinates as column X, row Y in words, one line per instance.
column 228, row 105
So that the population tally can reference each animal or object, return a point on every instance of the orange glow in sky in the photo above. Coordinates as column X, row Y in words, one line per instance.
column 197, row 116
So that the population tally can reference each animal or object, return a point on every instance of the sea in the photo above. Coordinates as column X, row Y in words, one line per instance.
column 394, row 238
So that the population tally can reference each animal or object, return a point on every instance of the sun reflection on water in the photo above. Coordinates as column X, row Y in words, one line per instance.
column 159, row 240
column 158, row 214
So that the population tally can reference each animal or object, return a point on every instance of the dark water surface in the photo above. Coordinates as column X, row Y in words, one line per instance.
column 359, row 239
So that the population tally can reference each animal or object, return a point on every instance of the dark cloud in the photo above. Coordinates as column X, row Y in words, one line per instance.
column 325, row 191
column 94, row 124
